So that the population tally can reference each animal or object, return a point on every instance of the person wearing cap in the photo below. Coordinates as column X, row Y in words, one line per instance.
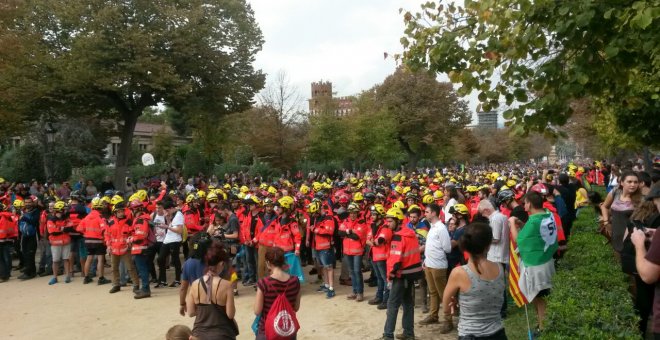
column 92, row 228
column 647, row 257
column 117, row 237
column 404, row 266
column 60, row 241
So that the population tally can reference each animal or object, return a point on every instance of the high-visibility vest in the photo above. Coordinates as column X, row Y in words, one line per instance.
column 56, row 234
column 8, row 226
column 93, row 226
column 245, row 235
column 324, row 228
column 358, row 227
column 140, row 230
column 191, row 220
column 287, row 235
column 117, row 234
column 404, row 258
column 381, row 251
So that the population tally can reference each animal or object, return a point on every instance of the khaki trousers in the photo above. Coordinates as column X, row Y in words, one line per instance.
column 261, row 262
column 130, row 266
column 436, row 279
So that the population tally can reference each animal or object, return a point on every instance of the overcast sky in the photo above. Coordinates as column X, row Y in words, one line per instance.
column 340, row 40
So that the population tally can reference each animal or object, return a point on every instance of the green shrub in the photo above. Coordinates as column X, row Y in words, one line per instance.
column 23, row 163
column 264, row 170
column 228, row 168
column 95, row 173
column 139, row 171
column 590, row 298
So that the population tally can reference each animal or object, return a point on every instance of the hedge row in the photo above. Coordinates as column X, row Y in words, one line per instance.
column 590, row 298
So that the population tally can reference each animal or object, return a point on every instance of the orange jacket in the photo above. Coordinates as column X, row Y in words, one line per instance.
column 8, row 226
column 323, row 229
column 140, row 230
column 117, row 235
column 75, row 217
column 56, row 234
column 267, row 233
column 191, row 220
column 287, row 235
column 383, row 237
column 245, row 234
column 358, row 227
column 93, row 226
column 404, row 258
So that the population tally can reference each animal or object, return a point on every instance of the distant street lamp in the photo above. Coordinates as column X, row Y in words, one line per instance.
column 50, row 140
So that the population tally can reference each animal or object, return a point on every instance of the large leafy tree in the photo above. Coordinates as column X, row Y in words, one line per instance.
column 427, row 112
column 113, row 59
column 539, row 56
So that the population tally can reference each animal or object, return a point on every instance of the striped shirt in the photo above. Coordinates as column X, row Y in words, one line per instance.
column 271, row 288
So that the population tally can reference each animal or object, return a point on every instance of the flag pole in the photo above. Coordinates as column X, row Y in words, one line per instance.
column 529, row 330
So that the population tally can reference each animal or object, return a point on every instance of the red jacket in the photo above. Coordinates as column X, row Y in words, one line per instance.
column 287, row 235
column 473, row 206
column 267, row 233
column 191, row 220
column 358, row 227
column 246, row 234
column 404, row 258
column 93, row 226
column 117, row 235
column 323, row 230
column 56, row 234
column 8, row 226
column 140, row 230
column 383, row 237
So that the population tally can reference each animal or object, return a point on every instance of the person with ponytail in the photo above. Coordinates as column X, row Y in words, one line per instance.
column 211, row 299
column 480, row 284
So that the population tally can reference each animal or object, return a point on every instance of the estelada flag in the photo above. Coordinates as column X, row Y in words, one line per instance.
column 514, row 275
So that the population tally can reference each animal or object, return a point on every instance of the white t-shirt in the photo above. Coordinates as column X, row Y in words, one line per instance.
column 171, row 236
column 438, row 244
column 448, row 205
column 499, row 252
column 160, row 232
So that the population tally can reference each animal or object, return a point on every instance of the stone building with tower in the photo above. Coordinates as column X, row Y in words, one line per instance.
column 487, row 120
column 322, row 95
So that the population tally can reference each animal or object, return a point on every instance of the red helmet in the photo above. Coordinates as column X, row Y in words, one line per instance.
column 540, row 188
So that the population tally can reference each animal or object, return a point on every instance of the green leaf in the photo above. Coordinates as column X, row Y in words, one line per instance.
column 611, row 51
column 608, row 14
column 582, row 78
column 482, row 96
column 564, row 10
column 520, row 95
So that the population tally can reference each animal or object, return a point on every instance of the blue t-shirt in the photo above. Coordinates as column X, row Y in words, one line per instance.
column 192, row 270
column 456, row 254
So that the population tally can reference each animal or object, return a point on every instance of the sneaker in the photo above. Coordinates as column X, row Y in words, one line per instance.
column 404, row 337
column 136, row 289
column 375, row 301
column 330, row 294
column 142, row 294
column 160, row 285
column 322, row 289
column 174, row 284
column 87, row 280
column 429, row 320
column 103, row 281
column 382, row 306
column 114, row 289
column 346, row 282
column 26, row 277
column 359, row 298
column 52, row 281
column 446, row 327
column 68, row 279
column 351, row 297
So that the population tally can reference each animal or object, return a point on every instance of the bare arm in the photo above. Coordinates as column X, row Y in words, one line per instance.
column 230, row 307
column 183, row 292
column 605, row 207
column 259, row 302
column 297, row 305
column 452, row 288
column 648, row 271
column 190, row 302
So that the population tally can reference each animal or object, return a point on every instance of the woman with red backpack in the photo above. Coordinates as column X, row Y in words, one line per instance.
column 277, row 300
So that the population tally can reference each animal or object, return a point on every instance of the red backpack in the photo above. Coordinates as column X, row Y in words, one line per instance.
column 281, row 322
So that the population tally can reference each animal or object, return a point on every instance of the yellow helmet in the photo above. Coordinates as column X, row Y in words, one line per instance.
column 353, row 180
column 427, row 199
column 399, row 205
column 253, row 199
column 19, row 204
column 263, row 186
column 472, row 188
column 360, row 185
column 272, row 190
column 116, row 199
column 132, row 198
column 327, row 186
column 191, row 197
column 313, row 207
column 317, row 186
column 120, row 206
column 142, row 195
column 241, row 195
column 406, row 190
column 244, row 189
column 353, row 207
column 403, row 178
column 328, row 181
column 201, row 194
column 422, row 232
column 438, row 195
column 304, row 189
column 378, row 209
column 414, row 206
column 398, row 189
column 105, row 199
column 460, row 209
column 227, row 186
column 511, row 183
column 2, row 180
column 358, row 197
column 211, row 187
column 285, row 202
column 97, row 203
column 395, row 213
column 59, row 206
column 212, row 197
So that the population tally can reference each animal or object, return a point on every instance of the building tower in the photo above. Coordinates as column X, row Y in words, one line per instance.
column 487, row 120
column 321, row 93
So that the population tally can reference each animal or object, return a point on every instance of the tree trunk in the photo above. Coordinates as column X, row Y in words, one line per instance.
column 413, row 157
column 124, row 152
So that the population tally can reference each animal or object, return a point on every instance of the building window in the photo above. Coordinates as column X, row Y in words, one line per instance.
column 115, row 146
column 142, row 147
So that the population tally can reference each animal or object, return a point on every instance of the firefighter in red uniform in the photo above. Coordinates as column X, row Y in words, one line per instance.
column 77, row 211
column 250, row 228
column 322, row 229
column 287, row 236
column 380, row 247
column 92, row 228
column 142, row 237
column 117, row 236
column 60, row 241
column 354, row 230
column 404, row 266
column 265, row 237
column 8, row 235
column 192, row 221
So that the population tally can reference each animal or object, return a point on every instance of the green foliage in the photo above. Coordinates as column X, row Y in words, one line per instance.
column 22, row 164
column 95, row 173
column 327, row 138
column 590, row 298
column 194, row 163
column 220, row 170
column 264, row 170
column 139, row 171
column 538, row 56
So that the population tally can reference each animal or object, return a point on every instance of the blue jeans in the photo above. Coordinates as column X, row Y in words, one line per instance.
column 401, row 293
column 380, row 269
column 250, row 264
column 5, row 259
column 142, row 266
column 355, row 269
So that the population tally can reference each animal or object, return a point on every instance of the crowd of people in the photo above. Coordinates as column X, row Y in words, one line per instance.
column 445, row 234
